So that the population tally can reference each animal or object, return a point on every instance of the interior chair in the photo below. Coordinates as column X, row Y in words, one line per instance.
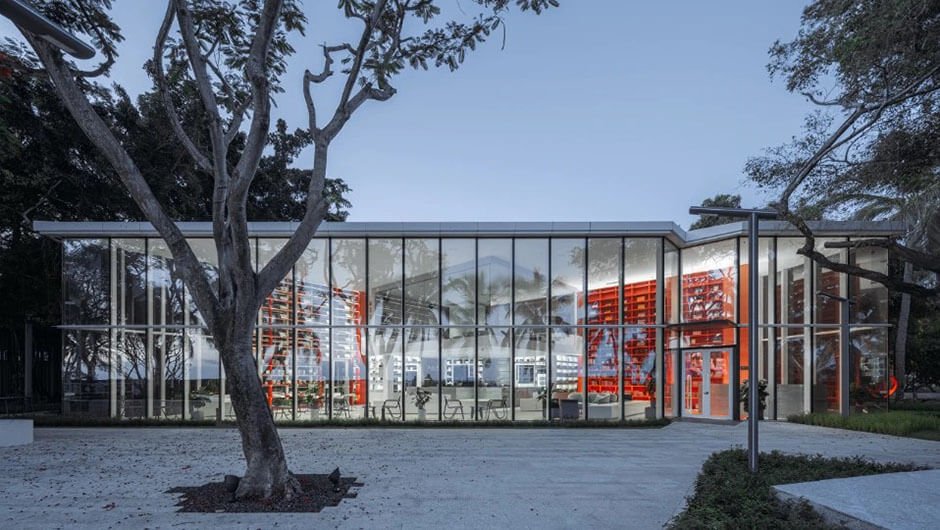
column 391, row 408
column 452, row 407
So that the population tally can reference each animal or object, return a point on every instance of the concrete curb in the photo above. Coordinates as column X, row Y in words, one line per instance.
column 16, row 432
column 831, row 515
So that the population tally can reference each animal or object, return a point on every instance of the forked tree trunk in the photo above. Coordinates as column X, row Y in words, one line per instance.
column 267, row 475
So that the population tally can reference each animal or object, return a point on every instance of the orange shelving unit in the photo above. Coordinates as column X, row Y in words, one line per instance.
column 636, row 346
column 708, row 297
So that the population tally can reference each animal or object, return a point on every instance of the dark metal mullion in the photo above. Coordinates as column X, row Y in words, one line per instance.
column 62, row 353
column 621, row 332
column 332, row 383
column 148, row 334
column 810, row 317
column 551, row 339
column 659, row 370
column 512, row 329
column 440, row 331
column 680, row 335
column 293, row 335
column 736, row 350
column 112, row 334
column 586, row 332
column 366, row 331
column 773, row 317
column 621, row 323
column 476, row 320
column 404, row 339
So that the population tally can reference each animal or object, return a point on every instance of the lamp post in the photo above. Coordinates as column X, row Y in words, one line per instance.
column 753, row 217
column 845, row 304
column 27, row 18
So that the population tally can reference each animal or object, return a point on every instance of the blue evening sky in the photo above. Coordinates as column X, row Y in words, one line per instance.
column 601, row 110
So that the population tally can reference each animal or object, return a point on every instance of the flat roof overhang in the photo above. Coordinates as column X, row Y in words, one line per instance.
column 667, row 229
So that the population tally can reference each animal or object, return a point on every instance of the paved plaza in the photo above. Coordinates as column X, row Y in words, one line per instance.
column 414, row 478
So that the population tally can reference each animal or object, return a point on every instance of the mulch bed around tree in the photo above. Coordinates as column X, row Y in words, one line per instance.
column 318, row 493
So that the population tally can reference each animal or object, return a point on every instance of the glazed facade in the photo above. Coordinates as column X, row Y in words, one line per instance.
column 501, row 322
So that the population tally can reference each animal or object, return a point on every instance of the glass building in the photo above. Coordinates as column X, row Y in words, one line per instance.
column 481, row 321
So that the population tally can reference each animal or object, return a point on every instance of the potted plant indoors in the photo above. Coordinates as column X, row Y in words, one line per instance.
column 314, row 401
column 199, row 398
column 650, row 411
column 761, row 396
column 421, row 398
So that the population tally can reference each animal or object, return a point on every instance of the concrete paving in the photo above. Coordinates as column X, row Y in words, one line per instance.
column 414, row 478
column 16, row 432
column 900, row 501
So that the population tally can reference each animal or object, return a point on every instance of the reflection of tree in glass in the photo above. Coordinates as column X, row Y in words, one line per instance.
column 87, row 281
column 421, row 281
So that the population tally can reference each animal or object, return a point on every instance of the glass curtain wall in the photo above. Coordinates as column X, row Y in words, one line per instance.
column 472, row 328
column 130, row 361
column 458, row 336
column 764, row 316
column 348, row 391
column 869, row 378
column 568, row 368
column 709, row 296
column 792, row 297
column 312, row 335
column 495, row 340
column 422, row 337
column 275, row 337
column 640, row 285
column 671, row 306
column 86, row 362
column 167, row 306
column 605, row 392
column 386, row 347
column 204, row 376
column 826, row 341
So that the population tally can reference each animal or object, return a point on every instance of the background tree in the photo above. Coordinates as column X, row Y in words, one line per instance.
column 49, row 170
column 721, row 200
column 234, row 53
column 869, row 151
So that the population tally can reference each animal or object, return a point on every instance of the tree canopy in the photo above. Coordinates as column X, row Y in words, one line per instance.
column 869, row 151
column 720, row 200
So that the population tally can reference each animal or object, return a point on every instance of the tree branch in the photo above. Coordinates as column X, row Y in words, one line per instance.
column 316, row 209
column 835, row 140
column 128, row 173
column 809, row 250
column 325, row 74
column 159, row 76
column 360, row 54
column 247, row 166
column 915, row 257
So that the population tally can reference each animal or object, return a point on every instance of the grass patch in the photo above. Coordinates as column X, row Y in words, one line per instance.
column 726, row 495
column 916, row 404
column 45, row 420
column 914, row 423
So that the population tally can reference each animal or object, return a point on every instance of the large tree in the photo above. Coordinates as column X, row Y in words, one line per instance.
column 870, row 150
column 234, row 52
column 50, row 170
column 872, row 68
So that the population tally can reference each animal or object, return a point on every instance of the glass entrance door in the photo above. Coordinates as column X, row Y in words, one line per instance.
column 706, row 378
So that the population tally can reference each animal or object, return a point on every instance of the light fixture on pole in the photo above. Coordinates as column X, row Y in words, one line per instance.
column 753, row 217
column 27, row 18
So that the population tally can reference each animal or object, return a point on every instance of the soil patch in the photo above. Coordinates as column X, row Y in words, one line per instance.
column 318, row 493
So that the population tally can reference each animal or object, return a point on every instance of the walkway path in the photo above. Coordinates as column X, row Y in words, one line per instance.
column 414, row 478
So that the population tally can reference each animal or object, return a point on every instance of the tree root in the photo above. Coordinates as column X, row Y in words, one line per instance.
column 252, row 486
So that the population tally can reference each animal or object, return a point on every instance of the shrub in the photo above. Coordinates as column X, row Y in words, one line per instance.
column 727, row 495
